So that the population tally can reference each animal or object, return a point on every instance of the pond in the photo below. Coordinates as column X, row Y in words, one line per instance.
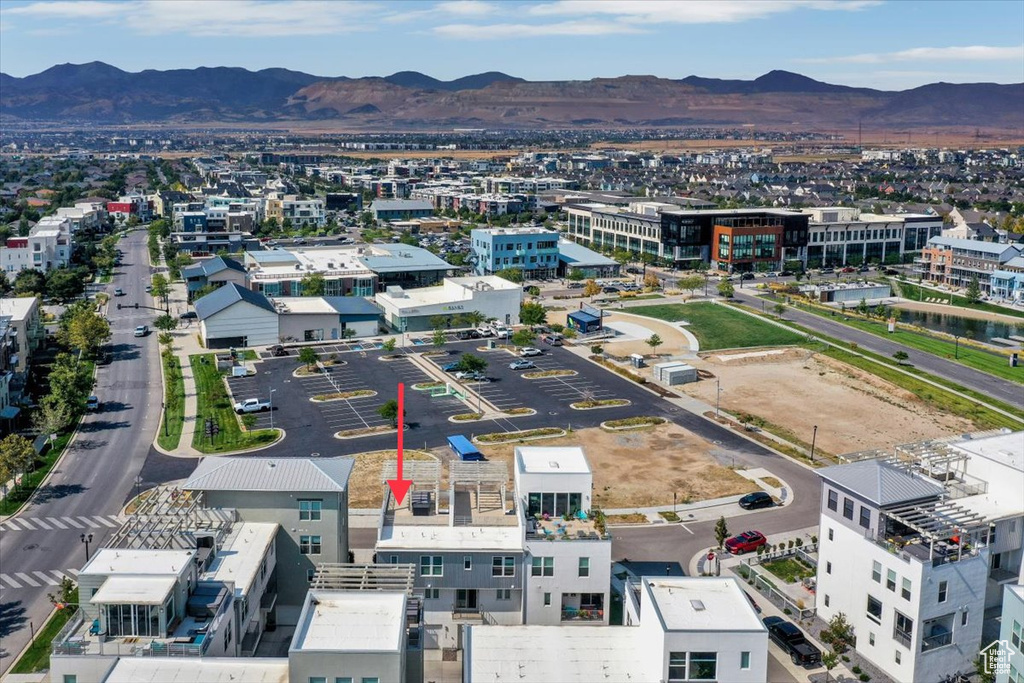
column 981, row 330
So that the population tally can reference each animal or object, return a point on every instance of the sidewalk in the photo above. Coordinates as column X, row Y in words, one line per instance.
column 185, row 345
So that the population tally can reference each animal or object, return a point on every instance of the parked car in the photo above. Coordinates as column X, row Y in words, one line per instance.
column 471, row 375
column 278, row 350
column 450, row 367
column 141, row 330
column 746, row 542
column 252, row 405
column 189, row 315
column 118, row 292
column 747, row 276
column 609, row 290
column 530, row 351
column 575, row 285
column 848, row 269
column 633, row 271
column 787, row 273
column 828, row 271
column 756, row 500
column 92, row 404
column 891, row 271
column 149, row 288
column 791, row 639
column 552, row 339
column 485, row 331
column 467, row 334
column 521, row 364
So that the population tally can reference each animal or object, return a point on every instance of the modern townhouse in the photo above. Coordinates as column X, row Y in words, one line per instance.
column 48, row 245
column 917, row 544
column 27, row 332
column 955, row 262
column 386, row 210
column 1011, row 637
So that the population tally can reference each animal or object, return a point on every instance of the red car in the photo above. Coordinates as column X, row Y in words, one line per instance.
column 748, row 541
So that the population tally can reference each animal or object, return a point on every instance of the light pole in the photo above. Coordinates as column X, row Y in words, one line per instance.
column 956, row 348
column 814, row 439
column 718, row 395
column 163, row 409
column 138, row 485
column 272, row 408
column 86, row 539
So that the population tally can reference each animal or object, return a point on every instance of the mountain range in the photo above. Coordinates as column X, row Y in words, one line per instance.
column 97, row 93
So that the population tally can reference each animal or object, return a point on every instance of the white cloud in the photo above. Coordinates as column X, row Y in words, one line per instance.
column 690, row 11
column 466, row 8
column 971, row 53
column 564, row 28
column 87, row 9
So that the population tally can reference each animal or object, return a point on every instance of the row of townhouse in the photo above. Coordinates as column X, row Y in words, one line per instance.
column 50, row 242
column 243, row 573
column 954, row 262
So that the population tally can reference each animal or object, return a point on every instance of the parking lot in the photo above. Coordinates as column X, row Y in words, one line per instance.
column 417, row 341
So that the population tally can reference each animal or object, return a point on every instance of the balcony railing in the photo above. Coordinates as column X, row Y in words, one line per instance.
column 572, row 614
column 902, row 637
column 940, row 640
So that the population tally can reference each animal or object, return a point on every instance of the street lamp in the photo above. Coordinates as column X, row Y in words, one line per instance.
column 956, row 348
column 163, row 409
column 272, row 408
column 138, row 485
column 86, row 539
column 814, row 439
column 718, row 395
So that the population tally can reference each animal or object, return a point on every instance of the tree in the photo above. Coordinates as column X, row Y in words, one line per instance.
column 5, row 284
column 62, row 597
column 691, row 283
column 312, row 285
column 721, row 531
column 70, row 383
column 973, row 293
column 779, row 309
column 388, row 345
column 249, row 421
column 165, row 322
column 30, row 281
column 591, row 288
column 900, row 357
column 470, row 363
column 862, row 307
column 828, row 659
column 440, row 322
column 523, row 337
column 307, row 356
column 986, row 673
column 532, row 314
column 161, row 288
column 64, row 284
column 651, row 281
column 839, row 634
column 439, row 339
column 389, row 411
column 654, row 341
column 576, row 275
column 511, row 274
column 84, row 329
column 725, row 289
column 16, row 454
column 51, row 418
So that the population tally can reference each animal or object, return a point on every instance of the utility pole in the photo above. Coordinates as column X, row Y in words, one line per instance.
column 718, row 395
column 814, row 440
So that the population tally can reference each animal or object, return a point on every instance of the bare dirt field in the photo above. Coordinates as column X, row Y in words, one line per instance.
column 365, row 487
column 797, row 390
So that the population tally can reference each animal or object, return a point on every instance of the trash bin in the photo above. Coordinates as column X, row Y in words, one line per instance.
column 490, row 343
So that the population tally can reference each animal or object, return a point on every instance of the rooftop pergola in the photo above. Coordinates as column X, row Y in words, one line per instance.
column 481, row 474
column 424, row 474
column 364, row 577
column 939, row 521
column 170, row 518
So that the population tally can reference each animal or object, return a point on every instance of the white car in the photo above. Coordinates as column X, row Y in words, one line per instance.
column 141, row 331
column 485, row 331
column 530, row 351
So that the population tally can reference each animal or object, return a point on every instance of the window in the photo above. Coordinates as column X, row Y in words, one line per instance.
column 865, row 517
column 309, row 545
column 318, row 679
column 963, row 618
column 833, row 500
column 371, row 679
column 903, row 629
column 343, row 679
column 467, row 562
column 744, row 660
column 890, row 580
column 547, row 599
column 584, row 566
column 503, row 565
column 703, row 666
column 871, row 638
column 830, row 534
column 905, row 591
column 826, row 600
column 1016, row 635
column 504, row 594
column 847, row 508
column 828, row 567
column 677, row 666
column 943, row 590
column 310, row 573
column 431, row 565
column 70, row 678
column 899, row 657
column 431, row 593
column 309, row 510
column 543, row 566
column 874, row 610
column 876, row 572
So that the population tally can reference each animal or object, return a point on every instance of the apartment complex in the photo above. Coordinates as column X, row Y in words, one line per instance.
column 48, row 245
column 299, row 211
column 534, row 250
column 917, row 544
column 955, row 262
column 841, row 236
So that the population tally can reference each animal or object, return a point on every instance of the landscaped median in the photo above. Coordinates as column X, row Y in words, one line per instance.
column 524, row 435
column 342, row 395
column 427, row 386
column 592, row 404
column 541, row 374
column 376, row 430
column 174, row 402
column 213, row 402
column 632, row 423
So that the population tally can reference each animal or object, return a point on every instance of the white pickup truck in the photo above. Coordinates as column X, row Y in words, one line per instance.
column 252, row 405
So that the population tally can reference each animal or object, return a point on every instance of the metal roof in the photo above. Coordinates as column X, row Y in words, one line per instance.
column 212, row 266
column 400, row 258
column 578, row 255
column 974, row 245
column 401, row 205
column 219, row 299
column 270, row 474
column 880, row 482
column 351, row 305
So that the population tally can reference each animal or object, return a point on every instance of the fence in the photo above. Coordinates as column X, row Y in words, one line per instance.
column 758, row 578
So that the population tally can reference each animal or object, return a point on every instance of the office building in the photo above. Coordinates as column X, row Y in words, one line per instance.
column 418, row 310
column 533, row 250
column 841, row 236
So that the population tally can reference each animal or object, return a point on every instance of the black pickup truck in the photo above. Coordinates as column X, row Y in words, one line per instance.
column 791, row 639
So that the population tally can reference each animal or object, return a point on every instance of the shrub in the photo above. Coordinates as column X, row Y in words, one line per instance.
column 799, row 542
column 864, row 677
column 787, row 611
column 846, row 660
column 855, row 669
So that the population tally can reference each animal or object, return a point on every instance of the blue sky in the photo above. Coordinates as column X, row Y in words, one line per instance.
column 873, row 43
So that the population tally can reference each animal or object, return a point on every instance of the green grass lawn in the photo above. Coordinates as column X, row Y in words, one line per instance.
column 985, row 361
column 915, row 293
column 213, row 402
column 30, row 482
column 789, row 569
column 174, row 399
column 719, row 327
column 37, row 656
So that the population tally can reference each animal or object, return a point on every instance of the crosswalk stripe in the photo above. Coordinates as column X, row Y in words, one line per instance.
column 19, row 524
column 27, row 579
column 46, row 578
column 59, row 574
column 104, row 520
column 73, row 523
column 11, row 582
column 91, row 524
column 41, row 523
column 73, row 571
column 57, row 523
column 7, row 526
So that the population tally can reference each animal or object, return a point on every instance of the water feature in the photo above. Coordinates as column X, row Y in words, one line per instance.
column 981, row 330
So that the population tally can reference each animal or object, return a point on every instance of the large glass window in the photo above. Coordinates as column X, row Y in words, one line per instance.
column 903, row 629
column 703, row 666
column 310, row 510
column 676, row 666
column 553, row 504
column 542, row 566
column 874, row 609
column 503, row 565
column 431, row 565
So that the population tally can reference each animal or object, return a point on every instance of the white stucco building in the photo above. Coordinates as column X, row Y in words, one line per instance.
column 406, row 310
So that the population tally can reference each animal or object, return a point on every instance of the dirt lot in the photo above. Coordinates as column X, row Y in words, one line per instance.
column 674, row 461
column 796, row 390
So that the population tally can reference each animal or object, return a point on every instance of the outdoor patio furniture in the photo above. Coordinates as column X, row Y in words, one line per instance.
column 94, row 630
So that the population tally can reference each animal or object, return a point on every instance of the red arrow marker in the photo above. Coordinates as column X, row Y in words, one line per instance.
column 400, row 486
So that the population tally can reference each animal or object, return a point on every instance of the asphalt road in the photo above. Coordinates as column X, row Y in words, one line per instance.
column 983, row 382
column 96, row 475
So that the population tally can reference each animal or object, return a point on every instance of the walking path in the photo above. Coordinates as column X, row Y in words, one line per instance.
column 185, row 345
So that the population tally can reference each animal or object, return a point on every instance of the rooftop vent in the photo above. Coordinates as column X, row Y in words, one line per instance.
column 271, row 465
column 553, row 464
column 697, row 605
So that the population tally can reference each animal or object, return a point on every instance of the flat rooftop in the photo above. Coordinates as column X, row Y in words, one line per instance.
column 351, row 621
column 1005, row 449
column 239, row 558
column 206, row 670
column 403, row 533
column 552, row 460
column 701, row 604
column 138, row 561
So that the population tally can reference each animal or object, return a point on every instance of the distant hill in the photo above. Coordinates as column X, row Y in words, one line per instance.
column 97, row 93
